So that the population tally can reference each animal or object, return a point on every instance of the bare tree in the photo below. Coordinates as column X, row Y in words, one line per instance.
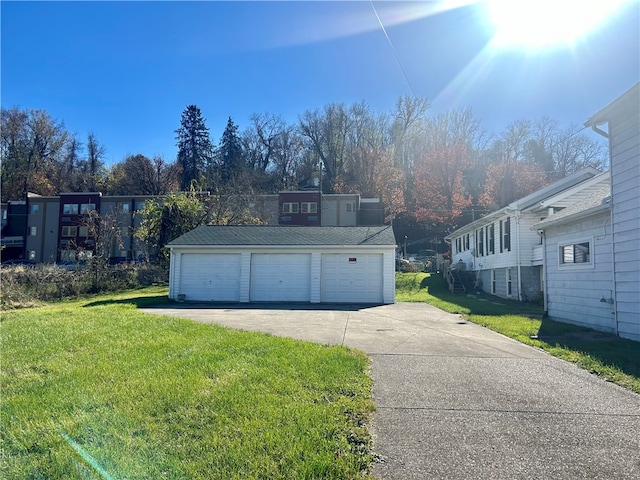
column 94, row 164
column 31, row 149
column 327, row 133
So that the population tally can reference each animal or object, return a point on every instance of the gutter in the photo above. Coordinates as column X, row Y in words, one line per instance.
column 595, row 128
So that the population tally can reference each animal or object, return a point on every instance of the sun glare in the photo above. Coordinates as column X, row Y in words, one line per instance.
column 543, row 23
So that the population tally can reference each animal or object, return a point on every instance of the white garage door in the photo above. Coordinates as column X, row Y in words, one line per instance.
column 280, row 277
column 353, row 278
column 210, row 277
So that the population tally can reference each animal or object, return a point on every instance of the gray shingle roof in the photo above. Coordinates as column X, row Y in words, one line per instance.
column 284, row 235
column 596, row 199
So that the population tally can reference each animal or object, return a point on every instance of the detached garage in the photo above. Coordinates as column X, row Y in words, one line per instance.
column 284, row 264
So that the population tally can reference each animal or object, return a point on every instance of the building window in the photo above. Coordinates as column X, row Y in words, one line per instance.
column 140, row 206
column 506, row 235
column 466, row 242
column 68, row 231
column 509, row 286
column 480, row 234
column 33, row 209
column 575, row 253
column 309, row 207
column 351, row 207
column 290, row 207
column 33, row 231
column 125, row 207
column 87, row 207
column 493, row 282
column 491, row 239
column 32, row 254
column 83, row 231
column 4, row 214
column 70, row 209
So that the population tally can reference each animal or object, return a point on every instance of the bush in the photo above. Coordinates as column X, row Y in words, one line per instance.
column 27, row 286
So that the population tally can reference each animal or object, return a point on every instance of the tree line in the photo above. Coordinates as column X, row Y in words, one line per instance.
column 433, row 172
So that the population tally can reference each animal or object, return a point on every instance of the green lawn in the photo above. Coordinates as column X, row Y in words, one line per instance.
column 610, row 357
column 95, row 389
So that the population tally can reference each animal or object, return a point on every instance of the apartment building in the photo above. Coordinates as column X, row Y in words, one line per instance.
column 58, row 228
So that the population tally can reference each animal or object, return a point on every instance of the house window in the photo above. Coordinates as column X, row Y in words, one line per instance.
column 4, row 214
column 466, row 242
column 33, row 209
column 32, row 254
column 481, row 242
column 493, row 282
column 83, row 231
column 87, row 207
column 576, row 253
column 351, row 207
column 289, row 207
column 509, row 286
column 309, row 207
column 33, row 231
column 68, row 231
column 124, row 207
column 70, row 208
column 139, row 206
column 506, row 236
column 491, row 239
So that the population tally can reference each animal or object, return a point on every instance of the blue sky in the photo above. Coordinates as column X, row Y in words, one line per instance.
column 126, row 70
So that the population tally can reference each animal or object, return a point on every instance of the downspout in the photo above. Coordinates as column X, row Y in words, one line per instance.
column 518, row 259
column 545, row 296
column 613, row 248
column 613, row 271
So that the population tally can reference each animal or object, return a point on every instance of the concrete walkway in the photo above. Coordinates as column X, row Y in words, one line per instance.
column 457, row 401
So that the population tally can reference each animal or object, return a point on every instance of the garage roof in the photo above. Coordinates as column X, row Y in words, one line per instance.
column 285, row 235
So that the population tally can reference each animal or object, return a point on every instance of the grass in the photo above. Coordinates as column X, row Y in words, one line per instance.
column 95, row 389
column 608, row 356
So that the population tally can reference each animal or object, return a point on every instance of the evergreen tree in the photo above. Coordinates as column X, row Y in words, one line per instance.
column 194, row 147
column 230, row 153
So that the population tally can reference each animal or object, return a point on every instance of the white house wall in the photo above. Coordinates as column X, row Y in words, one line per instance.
column 525, row 279
column 574, row 292
column 624, row 130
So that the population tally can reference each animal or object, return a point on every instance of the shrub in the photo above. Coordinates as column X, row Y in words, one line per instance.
column 27, row 286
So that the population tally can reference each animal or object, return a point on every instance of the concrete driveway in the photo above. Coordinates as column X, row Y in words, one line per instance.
column 457, row 401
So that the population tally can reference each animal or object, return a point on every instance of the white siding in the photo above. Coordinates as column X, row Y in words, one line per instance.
column 625, row 191
column 523, row 242
column 574, row 292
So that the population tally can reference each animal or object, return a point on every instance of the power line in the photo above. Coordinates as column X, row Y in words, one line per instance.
column 393, row 49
